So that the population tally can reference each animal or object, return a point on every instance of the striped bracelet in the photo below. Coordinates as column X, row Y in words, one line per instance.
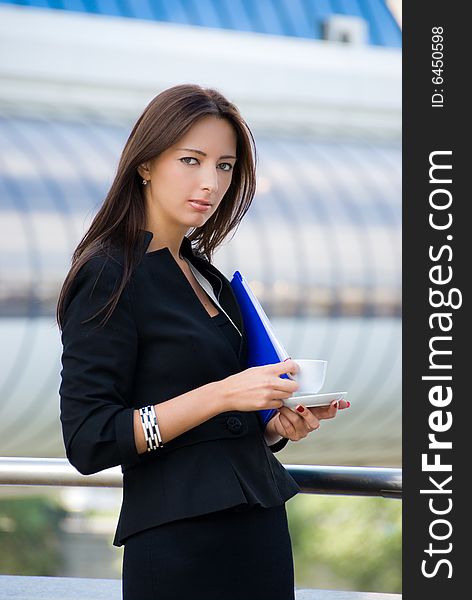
column 150, row 428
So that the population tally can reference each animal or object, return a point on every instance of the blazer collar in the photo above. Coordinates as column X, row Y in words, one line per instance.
column 187, row 251
column 185, row 247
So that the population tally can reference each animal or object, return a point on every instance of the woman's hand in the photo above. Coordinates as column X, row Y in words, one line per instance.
column 296, row 424
column 258, row 388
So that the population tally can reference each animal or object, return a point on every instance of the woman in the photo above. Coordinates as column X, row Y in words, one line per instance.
column 154, row 375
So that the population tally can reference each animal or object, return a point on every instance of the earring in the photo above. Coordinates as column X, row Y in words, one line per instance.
column 144, row 181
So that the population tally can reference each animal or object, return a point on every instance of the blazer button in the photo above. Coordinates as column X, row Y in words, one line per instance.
column 234, row 424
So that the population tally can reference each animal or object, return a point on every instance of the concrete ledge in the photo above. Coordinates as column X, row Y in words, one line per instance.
column 342, row 595
column 58, row 588
column 70, row 588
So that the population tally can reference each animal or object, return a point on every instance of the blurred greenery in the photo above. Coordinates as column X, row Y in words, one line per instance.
column 346, row 542
column 339, row 542
column 29, row 536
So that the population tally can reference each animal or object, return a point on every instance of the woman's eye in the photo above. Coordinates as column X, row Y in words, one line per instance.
column 224, row 166
column 188, row 158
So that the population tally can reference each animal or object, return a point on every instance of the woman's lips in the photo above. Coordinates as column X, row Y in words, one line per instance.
column 200, row 205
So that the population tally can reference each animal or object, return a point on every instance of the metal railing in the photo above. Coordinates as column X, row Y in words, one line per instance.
column 312, row 479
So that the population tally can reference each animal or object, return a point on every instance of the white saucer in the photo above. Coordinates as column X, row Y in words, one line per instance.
column 314, row 399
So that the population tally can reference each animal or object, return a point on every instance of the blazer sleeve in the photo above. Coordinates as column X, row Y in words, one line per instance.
column 280, row 445
column 98, row 364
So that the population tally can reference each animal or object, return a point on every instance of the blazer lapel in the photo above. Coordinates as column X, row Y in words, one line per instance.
column 226, row 296
column 220, row 282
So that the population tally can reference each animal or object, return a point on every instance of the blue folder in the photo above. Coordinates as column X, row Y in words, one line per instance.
column 264, row 348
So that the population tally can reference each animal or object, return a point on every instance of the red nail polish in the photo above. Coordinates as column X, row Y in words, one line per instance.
column 299, row 408
column 348, row 404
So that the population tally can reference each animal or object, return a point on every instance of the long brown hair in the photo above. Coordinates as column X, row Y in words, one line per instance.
column 121, row 219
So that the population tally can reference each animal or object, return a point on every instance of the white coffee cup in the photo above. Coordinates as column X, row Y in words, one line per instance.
column 311, row 376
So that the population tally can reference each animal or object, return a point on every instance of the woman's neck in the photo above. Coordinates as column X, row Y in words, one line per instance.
column 162, row 239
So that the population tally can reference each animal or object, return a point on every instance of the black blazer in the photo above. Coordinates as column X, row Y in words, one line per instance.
column 160, row 342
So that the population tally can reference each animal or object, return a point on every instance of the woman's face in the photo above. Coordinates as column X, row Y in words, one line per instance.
column 187, row 182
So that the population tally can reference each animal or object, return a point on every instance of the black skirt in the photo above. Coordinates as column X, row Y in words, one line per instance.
column 234, row 554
